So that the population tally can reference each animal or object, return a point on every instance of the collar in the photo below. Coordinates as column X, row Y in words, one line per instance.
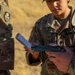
column 51, row 19
column 73, row 17
column 52, row 22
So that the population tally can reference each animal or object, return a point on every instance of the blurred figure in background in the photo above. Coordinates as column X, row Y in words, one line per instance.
column 56, row 28
column 6, row 40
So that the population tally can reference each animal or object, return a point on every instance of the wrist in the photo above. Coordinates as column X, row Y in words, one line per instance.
column 35, row 56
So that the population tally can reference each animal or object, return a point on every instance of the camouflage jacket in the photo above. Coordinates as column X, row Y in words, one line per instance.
column 6, row 39
column 46, row 31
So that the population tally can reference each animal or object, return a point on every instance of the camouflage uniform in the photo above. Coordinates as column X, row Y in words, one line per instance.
column 46, row 31
column 6, row 40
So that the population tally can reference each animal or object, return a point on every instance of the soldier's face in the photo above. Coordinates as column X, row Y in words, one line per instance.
column 58, row 7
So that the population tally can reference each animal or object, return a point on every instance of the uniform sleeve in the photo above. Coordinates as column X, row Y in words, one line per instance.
column 35, row 37
column 31, row 61
column 71, row 69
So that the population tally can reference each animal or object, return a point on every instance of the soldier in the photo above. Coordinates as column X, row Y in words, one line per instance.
column 56, row 28
column 6, row 40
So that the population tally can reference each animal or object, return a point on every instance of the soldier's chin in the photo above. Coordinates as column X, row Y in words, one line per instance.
column 57, row 14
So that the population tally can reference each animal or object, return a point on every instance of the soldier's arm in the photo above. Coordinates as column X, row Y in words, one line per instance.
column 34, row 38
column 31, row 61
column 71, row 68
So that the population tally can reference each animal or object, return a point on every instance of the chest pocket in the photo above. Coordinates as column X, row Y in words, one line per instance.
column 66, row 38
column 49, row 35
